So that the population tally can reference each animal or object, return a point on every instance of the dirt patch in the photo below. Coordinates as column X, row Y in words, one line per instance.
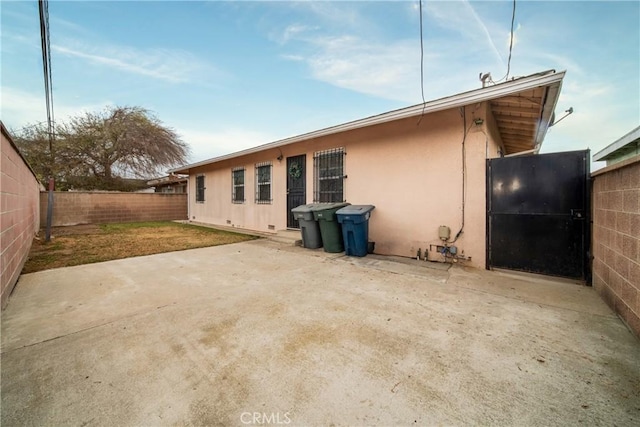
column 86, row 244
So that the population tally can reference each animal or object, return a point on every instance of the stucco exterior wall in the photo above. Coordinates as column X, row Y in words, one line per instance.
column 19, row 214
column 616, row 238
column 411, row 172
column 73, row 208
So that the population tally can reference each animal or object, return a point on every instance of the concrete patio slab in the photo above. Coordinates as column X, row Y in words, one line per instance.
column 264, row 333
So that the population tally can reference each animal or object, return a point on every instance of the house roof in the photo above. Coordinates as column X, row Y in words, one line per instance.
column 625, row 145
column 523, row 109
column 166, row 180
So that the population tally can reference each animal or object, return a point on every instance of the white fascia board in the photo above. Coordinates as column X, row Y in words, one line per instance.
column 546, row 78
column 616, row 145
column 550, row 101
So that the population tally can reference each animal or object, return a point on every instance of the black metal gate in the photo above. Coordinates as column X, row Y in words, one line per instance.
column 538, row 213
column 296, row 186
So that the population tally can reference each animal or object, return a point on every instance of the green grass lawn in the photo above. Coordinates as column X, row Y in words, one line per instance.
column 87, row 244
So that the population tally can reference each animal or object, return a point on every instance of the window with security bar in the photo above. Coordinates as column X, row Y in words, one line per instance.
column 237, row 175
column 263, row 183
column 328, row 170
column 200, row 189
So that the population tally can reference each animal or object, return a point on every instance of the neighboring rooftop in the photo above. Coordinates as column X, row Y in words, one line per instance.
column 523, row 109
column 621, row 149
column 166, row 180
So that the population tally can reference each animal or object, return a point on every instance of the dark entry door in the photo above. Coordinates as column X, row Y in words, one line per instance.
column 538, row 213
column 296, row 187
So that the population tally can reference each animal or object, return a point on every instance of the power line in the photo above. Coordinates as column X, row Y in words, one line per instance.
column 424, row 103
column 513, row 19
column 43, row 7
column 421, row 56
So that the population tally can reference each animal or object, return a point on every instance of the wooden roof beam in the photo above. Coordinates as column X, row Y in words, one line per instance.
column 516, row 110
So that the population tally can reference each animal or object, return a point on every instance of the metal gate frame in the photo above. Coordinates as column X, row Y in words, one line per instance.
column 586, row 222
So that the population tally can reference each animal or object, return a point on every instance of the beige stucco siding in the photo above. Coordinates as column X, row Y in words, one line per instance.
column 411, row 172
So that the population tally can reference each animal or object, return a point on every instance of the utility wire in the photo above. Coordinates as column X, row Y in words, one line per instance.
column 421, row 56
column 513, row 18
column 463, row 113
column 43, row 7
column 424, row 103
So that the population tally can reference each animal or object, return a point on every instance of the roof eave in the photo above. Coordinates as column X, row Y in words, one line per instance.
column 616, row 145
column 553, row 93
column 546, row 78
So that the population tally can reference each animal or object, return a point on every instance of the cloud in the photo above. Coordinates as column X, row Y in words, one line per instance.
column 391, row 69
column 597, row 119
column 171, row 65
column 20, row 108
column 206, row 144
column 338, row 14
column 361, row 58
column 386, row 70
column 297, row 58
column 462, row 18
column 293, row 31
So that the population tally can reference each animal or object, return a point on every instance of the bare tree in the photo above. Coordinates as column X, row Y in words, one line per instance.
column 101, row 150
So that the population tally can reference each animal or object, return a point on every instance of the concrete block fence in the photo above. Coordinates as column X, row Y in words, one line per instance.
column 616, row 238
column 73, row 208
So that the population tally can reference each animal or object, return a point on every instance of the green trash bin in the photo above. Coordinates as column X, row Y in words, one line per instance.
column 329, row 227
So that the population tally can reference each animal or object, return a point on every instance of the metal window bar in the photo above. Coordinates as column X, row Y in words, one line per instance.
column 237, row 185
column 328, row 171
column 263, row 183
column 200, row 188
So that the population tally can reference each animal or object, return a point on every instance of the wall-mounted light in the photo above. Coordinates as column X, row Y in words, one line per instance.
column 553, row 117
column 478, row 121
column 279, row 158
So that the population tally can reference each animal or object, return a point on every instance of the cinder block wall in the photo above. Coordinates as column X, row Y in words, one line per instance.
column 616, row 238
column 71, row 208
column 19, row 214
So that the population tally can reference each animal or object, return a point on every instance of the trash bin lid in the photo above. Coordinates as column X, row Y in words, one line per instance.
column 310, row 207
column 327, row 206
column 327, row 211
column 355, row 210
column 355, row 214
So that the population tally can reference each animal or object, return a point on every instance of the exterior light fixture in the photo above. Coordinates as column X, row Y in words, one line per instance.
column 478, row 122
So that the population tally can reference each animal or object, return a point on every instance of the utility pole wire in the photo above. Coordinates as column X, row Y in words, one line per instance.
column 43, row 7
column 513, row 18
column 424, row 103
column 421, row 56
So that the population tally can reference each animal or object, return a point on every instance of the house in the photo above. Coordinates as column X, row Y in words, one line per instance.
column 624, row 148
column 422, row 167
column 169, row 184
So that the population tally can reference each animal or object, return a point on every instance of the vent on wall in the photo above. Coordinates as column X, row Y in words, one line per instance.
column 228, row 221
column 272, row 227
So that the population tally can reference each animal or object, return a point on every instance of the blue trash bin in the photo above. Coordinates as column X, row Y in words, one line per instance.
column 355, row 228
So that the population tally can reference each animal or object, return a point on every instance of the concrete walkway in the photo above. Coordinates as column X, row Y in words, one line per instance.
column 264, row 333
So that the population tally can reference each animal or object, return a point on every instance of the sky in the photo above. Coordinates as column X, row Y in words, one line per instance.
column 232, row 75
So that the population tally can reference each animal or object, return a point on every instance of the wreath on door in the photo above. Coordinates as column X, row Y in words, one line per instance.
column 295, row 171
